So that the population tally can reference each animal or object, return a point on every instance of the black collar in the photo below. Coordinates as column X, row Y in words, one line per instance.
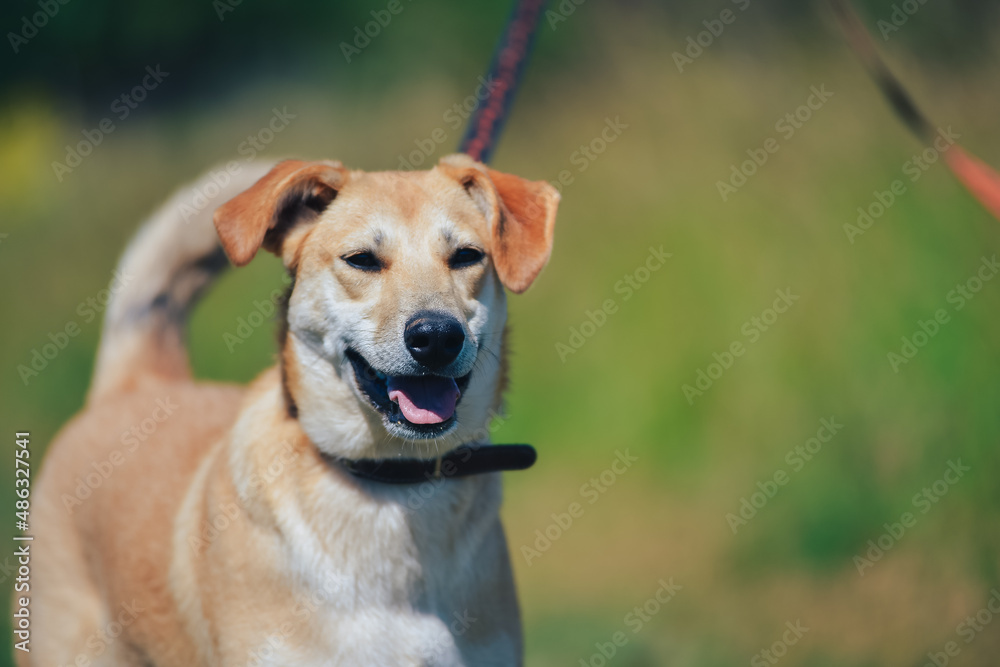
column 460, row 462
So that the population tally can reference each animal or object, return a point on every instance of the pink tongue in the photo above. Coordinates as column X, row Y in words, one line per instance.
column 424, row 400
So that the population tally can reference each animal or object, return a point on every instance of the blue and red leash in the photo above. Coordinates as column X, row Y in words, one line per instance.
column 507, row 72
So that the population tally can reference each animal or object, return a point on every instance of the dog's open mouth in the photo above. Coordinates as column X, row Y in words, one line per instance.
column 423, row 404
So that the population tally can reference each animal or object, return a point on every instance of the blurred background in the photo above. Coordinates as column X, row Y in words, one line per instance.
column 760, row 537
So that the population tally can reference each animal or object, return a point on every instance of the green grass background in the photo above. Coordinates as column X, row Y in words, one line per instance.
column 655, row 185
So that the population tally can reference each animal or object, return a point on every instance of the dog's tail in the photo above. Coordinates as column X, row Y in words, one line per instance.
column 166, row 267
column 978, row 177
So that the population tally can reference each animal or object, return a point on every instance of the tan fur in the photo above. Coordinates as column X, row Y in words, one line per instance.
column 228, row 535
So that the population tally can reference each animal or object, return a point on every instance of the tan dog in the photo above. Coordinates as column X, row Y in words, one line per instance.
column 181, row 523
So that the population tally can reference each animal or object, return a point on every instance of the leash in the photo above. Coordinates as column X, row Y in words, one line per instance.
column 977, row 177
column 506, row 71
column 462, row 461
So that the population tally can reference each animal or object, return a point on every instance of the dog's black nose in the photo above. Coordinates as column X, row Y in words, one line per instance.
column 434, row 339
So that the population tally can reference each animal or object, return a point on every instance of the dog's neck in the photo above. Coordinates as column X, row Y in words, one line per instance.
column 330, row 413
column 286, row 480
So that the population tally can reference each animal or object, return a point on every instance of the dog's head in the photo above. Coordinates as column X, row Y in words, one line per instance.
column 395, row 322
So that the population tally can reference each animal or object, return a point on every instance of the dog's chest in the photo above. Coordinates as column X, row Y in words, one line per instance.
column 370, row 637
column 395, row 577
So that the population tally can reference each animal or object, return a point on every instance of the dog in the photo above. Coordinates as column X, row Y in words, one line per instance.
column 183, row 523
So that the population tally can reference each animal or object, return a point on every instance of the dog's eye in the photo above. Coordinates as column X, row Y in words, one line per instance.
column 365, row 261
column 465, row 257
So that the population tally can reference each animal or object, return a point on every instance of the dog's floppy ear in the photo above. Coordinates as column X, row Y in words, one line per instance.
column 521, row 214
column 291, row 193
